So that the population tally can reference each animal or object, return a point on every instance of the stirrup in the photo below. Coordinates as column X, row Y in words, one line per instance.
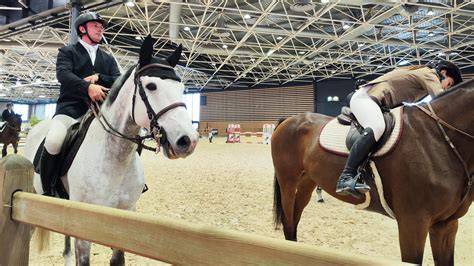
column 350, row 186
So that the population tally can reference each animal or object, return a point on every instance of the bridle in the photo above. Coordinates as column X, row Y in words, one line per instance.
column 440, row 122
column 155, row 128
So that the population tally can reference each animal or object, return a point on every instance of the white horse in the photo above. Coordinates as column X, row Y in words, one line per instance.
column 107, row 169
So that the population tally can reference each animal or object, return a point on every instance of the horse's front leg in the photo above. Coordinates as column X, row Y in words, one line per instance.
column 15, row 146
column 4, row 150
column 412, row 233
column 442, row 237
column 83, row 250
column 118, row 258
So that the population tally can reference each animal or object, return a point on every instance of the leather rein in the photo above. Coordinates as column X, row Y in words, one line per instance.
column 440, row 122
column 155, row 128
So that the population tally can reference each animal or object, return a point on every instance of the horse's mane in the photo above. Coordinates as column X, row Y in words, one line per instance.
column 118, row 84
column 462, row 85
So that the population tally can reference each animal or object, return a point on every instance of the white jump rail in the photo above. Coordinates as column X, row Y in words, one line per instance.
column 155, row 237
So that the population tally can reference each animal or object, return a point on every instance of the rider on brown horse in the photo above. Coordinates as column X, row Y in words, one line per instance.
column 390, row 90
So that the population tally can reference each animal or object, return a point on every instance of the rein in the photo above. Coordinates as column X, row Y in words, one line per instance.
column 155, row 128
column 440, row 122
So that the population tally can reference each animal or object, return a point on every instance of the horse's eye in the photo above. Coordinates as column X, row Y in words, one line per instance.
column 151, row 86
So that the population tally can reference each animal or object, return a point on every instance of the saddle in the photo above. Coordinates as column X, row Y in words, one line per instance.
column 3, row 125
column 347, row 118
column 339, row 134
column 74, row 138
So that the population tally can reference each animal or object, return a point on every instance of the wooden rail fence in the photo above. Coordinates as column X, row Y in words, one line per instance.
column 160, row 238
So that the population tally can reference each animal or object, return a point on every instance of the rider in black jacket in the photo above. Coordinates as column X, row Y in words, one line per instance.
column 85, row 72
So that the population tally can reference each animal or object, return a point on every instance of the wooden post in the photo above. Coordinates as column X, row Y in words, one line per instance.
column 16, row 173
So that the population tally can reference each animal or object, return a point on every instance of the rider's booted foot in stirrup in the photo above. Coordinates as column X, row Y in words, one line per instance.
column 48, row 172
column 347, row 183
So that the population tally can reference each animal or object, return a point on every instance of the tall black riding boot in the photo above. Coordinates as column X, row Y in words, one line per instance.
column 48, row 172
column 347, row 183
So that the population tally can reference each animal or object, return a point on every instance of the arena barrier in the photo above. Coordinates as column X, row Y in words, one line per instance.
column 253, row 137
column 155, row 237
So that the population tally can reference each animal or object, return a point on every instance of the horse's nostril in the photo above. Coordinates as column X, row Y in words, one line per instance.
column 184, row 142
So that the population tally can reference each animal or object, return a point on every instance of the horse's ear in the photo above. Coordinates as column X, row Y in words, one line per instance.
column 173, row 59
column 146, row 51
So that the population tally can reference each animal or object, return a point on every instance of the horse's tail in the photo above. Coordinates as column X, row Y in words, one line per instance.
column 277, row 208
column 41, row 239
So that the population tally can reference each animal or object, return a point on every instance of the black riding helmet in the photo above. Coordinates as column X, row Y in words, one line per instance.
column 451, row 69
column 86, row 17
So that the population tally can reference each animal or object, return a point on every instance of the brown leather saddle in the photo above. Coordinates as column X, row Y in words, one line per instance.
column 74, row 138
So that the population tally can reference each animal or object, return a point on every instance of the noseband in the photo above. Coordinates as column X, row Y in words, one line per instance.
column 155, row 128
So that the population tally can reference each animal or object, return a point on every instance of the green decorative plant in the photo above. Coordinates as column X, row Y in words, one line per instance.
column 34, row 120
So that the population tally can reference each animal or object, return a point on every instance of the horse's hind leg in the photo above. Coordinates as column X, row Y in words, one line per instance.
column 288, row 204
column 4, row 150
column 442, row 237
column 67, row 251
column 118, row 258
column 319, row 192
column 303, row 196
column 83, row 250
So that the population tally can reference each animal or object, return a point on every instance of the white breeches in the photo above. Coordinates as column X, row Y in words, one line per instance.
column 367, row 111
column 57, row 133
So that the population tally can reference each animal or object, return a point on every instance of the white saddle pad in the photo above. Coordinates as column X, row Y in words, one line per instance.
column 333, row 136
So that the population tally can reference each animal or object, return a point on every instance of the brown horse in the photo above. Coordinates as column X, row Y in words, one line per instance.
column 11, row 134
column 425, row 182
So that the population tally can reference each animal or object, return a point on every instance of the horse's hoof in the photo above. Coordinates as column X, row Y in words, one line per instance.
column 321, row 200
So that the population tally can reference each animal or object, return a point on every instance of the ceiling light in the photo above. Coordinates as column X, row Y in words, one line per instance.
column 333, row 71
column 275, row 68
column 138, row 37
column 252, row 59
column 38, row 80
column 403, row 62
column 441, row 54
column 301, row 52
column 279, row 38
column 293, row 75
column 361, row 44
column 41, row 96
column 3, row 95
column 18, row 83
column 270, row 52
column 320, row 64
column 430, row 12
column 302, row 6
column 213, row 64
column 324, row 1
column 247, row 16
column 187, row 28
column 225, row 46
column 55, row 80
column 129, row 3
column 329, row 99
column 430, row 34
column 28, row 92
column 345, row 26
column 1, row 86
